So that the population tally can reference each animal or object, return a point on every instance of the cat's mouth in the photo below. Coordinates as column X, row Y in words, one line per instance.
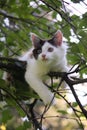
column 44, row 59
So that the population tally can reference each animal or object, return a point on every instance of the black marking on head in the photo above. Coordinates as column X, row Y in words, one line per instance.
column 57, row 39
column 51, row 41
column 37, row 50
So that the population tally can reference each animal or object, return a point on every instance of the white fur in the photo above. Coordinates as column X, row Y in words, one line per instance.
column 37, row 70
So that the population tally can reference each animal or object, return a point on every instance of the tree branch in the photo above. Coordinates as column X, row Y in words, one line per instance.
column 33, row 116
column 15, row 65
column 70, row 83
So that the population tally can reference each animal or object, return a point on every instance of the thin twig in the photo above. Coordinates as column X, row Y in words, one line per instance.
column 74, row 110
column 62, row 15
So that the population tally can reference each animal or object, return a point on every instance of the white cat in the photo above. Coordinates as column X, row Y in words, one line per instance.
column 45, row 56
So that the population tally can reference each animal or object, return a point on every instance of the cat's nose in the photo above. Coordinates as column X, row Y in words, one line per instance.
column 43, row 55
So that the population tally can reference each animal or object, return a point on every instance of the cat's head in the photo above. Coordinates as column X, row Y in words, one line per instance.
column 51, row 49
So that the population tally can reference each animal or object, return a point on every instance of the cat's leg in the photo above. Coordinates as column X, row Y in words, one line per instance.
column 45, row 94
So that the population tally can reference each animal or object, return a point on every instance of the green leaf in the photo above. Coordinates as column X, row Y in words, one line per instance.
column 27, row 124
column 6, row 115
column 74, row 104
column 13, row 103
column 3, row 84
column 64, row 112
column 21, row 127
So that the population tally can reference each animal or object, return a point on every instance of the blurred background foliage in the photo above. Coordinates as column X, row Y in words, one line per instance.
column 44, row 17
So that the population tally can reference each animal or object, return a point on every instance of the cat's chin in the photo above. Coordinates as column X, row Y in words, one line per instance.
column 45, row 59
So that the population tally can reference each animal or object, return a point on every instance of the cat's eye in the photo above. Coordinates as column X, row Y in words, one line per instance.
column 50, row 49
column 39, row 51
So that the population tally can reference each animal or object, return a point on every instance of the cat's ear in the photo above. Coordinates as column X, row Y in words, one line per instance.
column 35, row 40
column 58, row 37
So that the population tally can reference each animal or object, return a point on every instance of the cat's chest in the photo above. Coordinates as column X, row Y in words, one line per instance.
column 38, row 68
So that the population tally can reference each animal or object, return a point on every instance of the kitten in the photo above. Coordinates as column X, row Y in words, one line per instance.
column 45, row 56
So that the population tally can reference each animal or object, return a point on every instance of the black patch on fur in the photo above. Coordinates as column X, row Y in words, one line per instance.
column 38, row 50
column 51, row 41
